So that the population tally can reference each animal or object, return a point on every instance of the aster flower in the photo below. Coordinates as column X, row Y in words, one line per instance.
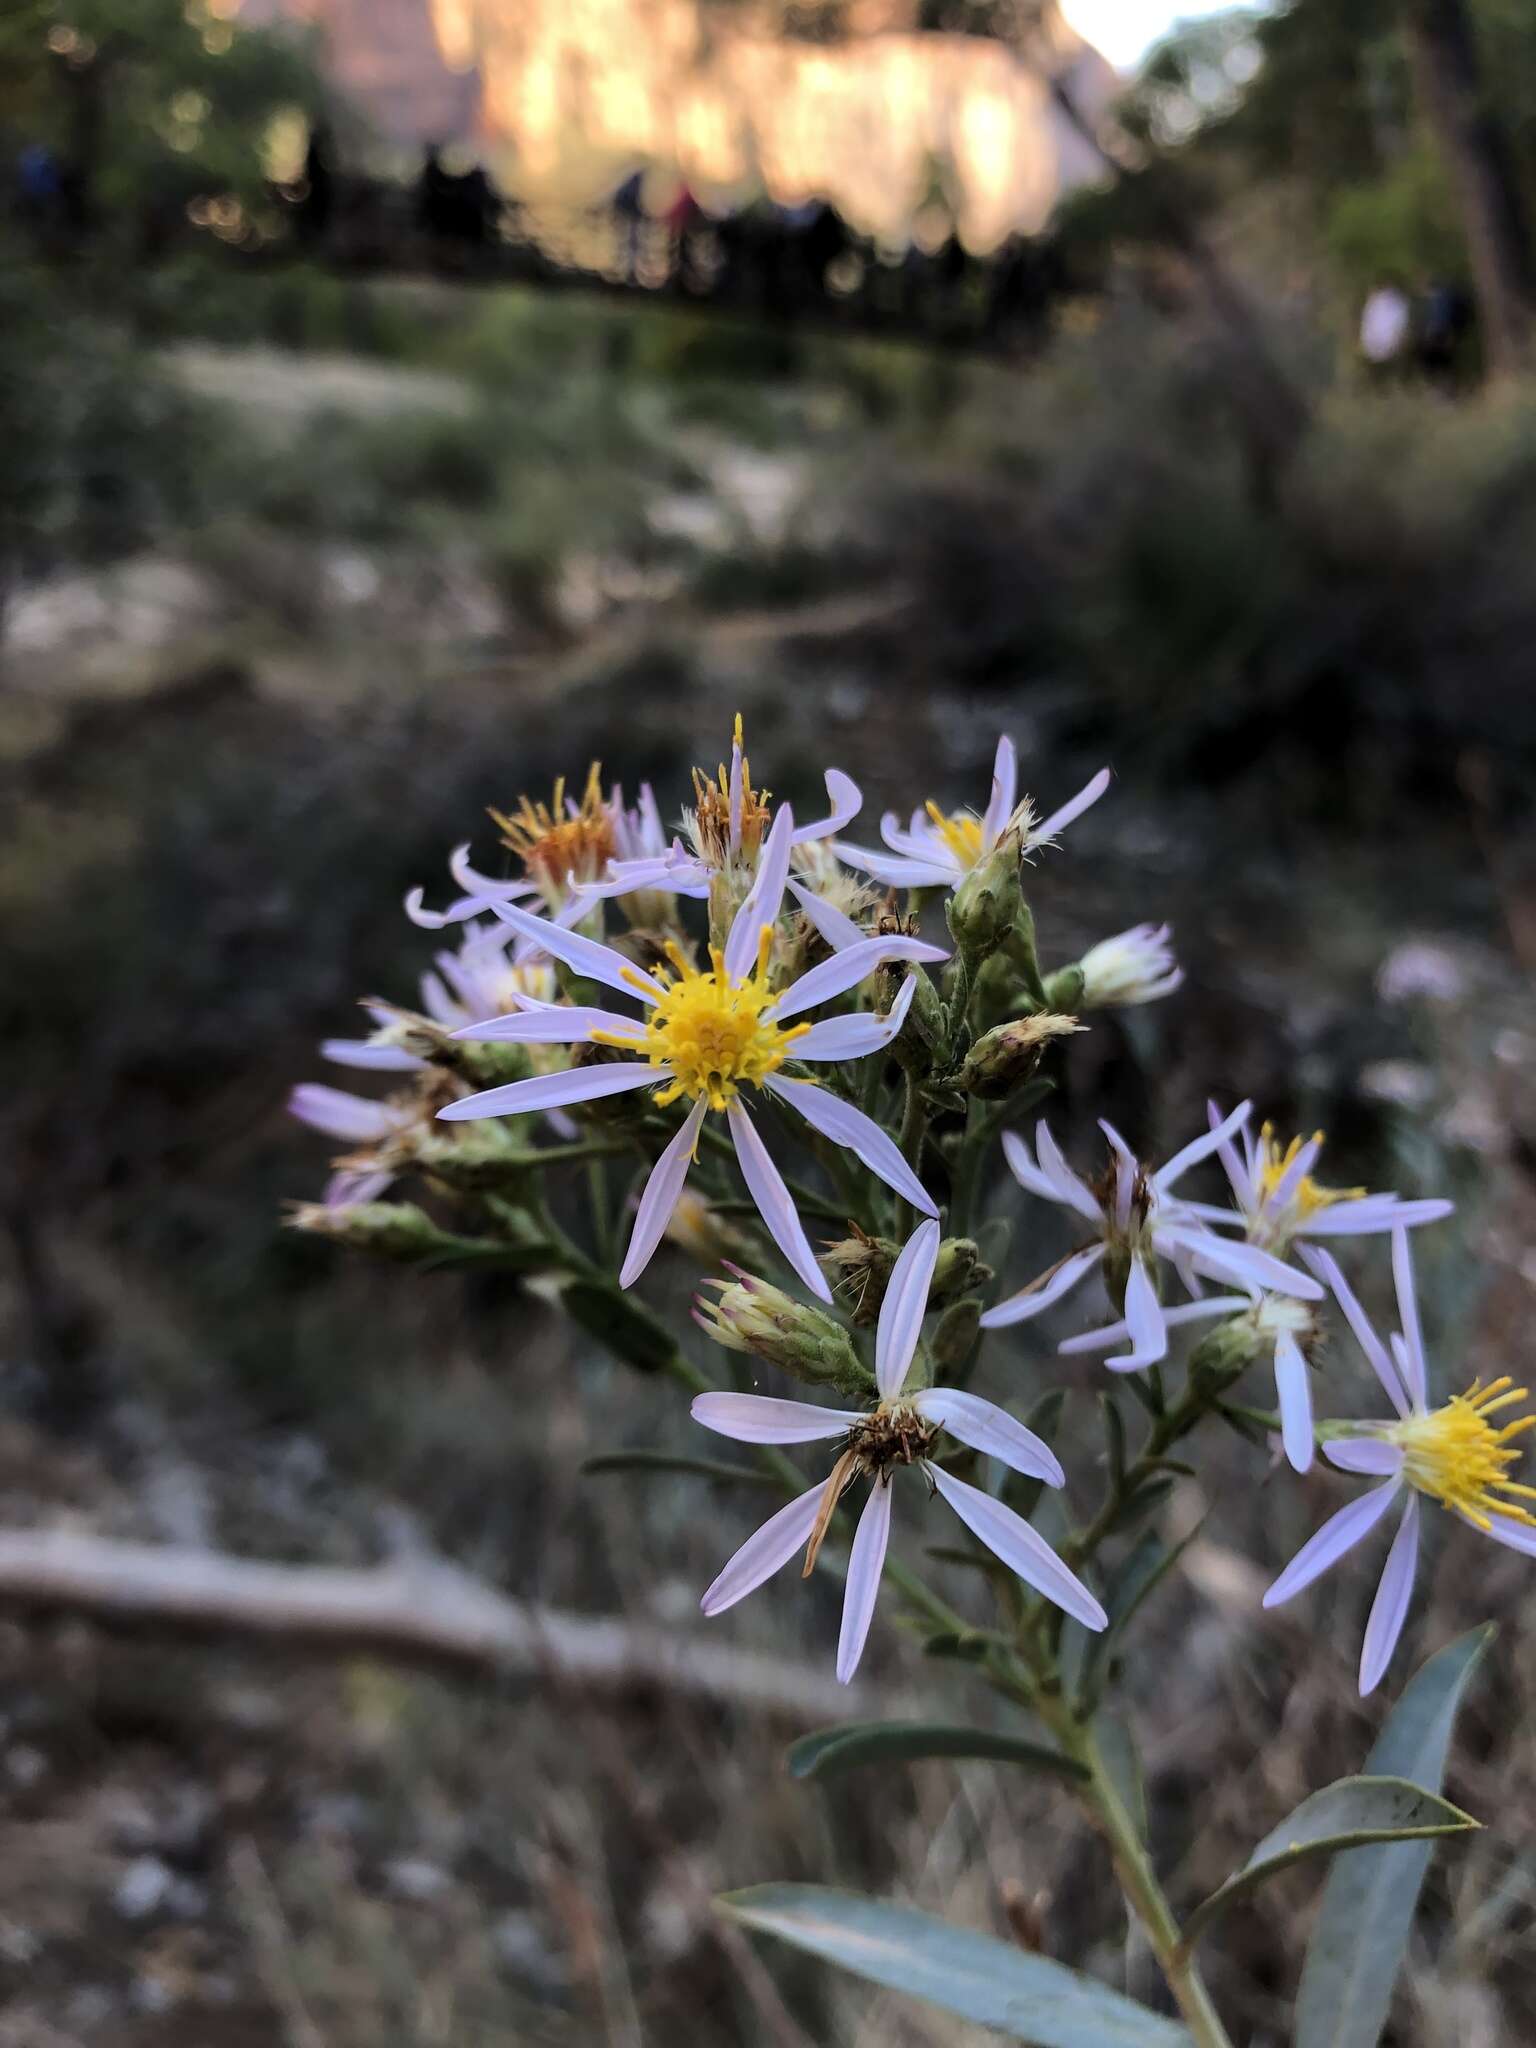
column 902, row 1429
column 467, row 986
column 938, row 849
column 726, row 831
column 708, row 1034
column 564, row 846
column 1137, row 1220
column 1279, row 1202
column 1133, row 967
column 1457, row 1454
column 358, row 1121
column 1272, row 1326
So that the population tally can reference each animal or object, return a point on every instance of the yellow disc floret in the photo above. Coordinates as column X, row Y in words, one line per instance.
column 562, row 837
column 1457, row 1456
column 728, row 825
column 709, row 1030
column 960, row 832
column 1307, row 1196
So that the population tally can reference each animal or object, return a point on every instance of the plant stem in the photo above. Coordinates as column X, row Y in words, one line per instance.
column 1147, row 1898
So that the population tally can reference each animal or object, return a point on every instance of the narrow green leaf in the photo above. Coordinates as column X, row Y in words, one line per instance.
column 667, row 1461
column 1369, row 1901
column 981, row 1980
column 1348, row 1814
column 1114, row 1436
column 970, row 1646
column 831, row 1751
column 1020, row 1492
column 629, row 1331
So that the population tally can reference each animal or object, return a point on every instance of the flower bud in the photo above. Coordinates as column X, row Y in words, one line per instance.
column 860, row 1267
column 752, row 1315
column 921, row 1043
column 483, row 1063
column 1135, row 966
column 1007, row 1056
column 475, row 1156
column 955, row 1334
column 393, row 1230
column 988, row 903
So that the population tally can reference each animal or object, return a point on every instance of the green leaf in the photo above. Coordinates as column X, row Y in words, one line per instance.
column 969, row 1645
column 1114, row 1436
column 629, row 1331
column 667, row 1461
column 846, row 1748
column 1368, row 1903
column 1348, row 1814
column 981, row 1980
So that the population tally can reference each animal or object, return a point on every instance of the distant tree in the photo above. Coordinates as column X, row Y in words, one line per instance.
column 149, row 106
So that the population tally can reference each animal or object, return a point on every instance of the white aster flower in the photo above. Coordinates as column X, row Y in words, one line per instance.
column 1454, row 1454
column 705, row 1036
column 938, row 850
column 1278, row 1201
column 463, row 987
column 358, row 1121
column 1137, row 1219
column 1133, row 967
column 901, row 1430
column 564, row 846
column 1279, row 1326
column 726, row 831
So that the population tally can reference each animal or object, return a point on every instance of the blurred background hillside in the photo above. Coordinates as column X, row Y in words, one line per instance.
column 405, row 402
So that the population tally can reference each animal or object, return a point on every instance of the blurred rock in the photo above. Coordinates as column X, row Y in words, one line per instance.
column 143, row 1889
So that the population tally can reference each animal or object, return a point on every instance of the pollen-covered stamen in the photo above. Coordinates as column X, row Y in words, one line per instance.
column 729, row 815
column 1458, row 1456
column 1297, row 1196
column 960, row 832
column 709, row 1031
column 564, row 836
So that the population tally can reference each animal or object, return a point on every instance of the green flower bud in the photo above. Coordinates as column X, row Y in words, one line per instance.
column 956, row 1334
column 924, row 1037
column 860, row 1267
column 988, row 904
column 1007, row 1056
column 752, row 1315
column 393, row 1230
column 476, row 1156
column 1064, row 989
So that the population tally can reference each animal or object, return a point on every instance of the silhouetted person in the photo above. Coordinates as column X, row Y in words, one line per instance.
column 1444, row 321
column 317, row 202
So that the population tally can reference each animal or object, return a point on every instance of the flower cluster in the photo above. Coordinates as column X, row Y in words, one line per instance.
column 688, row 1001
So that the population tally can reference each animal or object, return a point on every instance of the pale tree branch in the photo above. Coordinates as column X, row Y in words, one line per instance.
column 419, row 1609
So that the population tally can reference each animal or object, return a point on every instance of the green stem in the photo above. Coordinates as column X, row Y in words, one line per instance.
column 1147, row 1898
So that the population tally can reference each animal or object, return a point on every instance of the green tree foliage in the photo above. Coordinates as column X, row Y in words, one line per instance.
column 152, row 106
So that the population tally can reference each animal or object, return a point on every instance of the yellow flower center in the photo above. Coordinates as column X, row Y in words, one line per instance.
column 710, row 1032
column 712, row 813
column 960, row 832
column 1457, row 1456
column 1307, row 1196
column 557, row 839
